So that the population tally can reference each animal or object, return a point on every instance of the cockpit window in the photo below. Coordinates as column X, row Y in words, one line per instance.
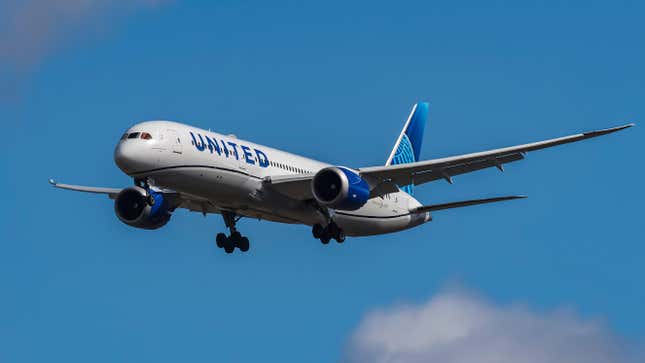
column 134, row 135
column 146, row 136
column 125, row 136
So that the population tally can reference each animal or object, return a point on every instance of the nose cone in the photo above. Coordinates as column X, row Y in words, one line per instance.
column 131, row 157
column 123, row 158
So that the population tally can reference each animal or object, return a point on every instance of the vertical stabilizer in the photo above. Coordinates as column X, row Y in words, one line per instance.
column 408, row 146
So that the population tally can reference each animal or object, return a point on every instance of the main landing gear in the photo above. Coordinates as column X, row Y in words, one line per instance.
column 325, row 234
column 228, row 243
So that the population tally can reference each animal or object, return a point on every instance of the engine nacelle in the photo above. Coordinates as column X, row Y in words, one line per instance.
column 340, row 188
column 132, row 207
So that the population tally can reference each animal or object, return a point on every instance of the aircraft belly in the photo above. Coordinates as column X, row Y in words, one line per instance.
column 379, row 216
column 220, row 187
column 356, row 225
column 237, row 191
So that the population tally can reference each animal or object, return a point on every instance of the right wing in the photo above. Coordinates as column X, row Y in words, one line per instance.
column 445, row 168
column 192, row 203
column 111, row 192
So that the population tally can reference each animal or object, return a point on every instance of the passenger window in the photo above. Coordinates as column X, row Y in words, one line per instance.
column 134, row 135
column 146, row 136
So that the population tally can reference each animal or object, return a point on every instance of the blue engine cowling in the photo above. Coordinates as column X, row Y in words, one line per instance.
column 133, row 208
column 340, row 188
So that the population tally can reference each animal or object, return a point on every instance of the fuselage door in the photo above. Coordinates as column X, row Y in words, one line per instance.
column 174, row 141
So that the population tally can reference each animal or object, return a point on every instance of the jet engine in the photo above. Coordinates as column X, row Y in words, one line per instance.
column 137, row 208
column 340, row 188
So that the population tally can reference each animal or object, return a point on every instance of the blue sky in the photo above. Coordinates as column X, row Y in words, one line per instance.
column 334, row 81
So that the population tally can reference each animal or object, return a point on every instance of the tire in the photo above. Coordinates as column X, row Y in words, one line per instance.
column 229, row 248
column 243, row 244
column 236, row 237
column 325, row 238
column 220, row 239
column 317, row 231
column 340, row 236
column 333, row 229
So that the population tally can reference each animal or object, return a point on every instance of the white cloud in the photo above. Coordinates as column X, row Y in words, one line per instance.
column 457, row 327
column 31, row 29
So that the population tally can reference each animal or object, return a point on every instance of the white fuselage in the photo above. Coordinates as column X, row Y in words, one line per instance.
column 227, row 174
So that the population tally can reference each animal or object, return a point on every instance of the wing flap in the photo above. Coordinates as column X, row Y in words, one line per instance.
column 294, row 186
column 458, row 169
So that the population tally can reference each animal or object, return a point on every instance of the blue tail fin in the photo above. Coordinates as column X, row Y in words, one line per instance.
column 408, row 146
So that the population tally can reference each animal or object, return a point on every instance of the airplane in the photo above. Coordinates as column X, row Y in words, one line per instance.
column 175, row 165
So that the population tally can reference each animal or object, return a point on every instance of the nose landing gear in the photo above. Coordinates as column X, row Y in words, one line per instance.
column 229, row 243
column 145, row 184
column 325, row 234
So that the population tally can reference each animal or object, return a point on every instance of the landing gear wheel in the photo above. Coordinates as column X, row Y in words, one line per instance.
column 221, row 240
column 333, row 229
column 243, row 244
column 325, row 238
column 325, row 234
column 317, row 231
column 236, row 237
column 229, row 247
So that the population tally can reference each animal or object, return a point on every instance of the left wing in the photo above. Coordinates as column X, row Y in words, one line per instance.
column 384, row 179
column 445, row 168
column 294, row 186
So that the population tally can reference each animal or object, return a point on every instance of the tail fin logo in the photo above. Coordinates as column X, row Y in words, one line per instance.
column 408, row 146
column 404, row 155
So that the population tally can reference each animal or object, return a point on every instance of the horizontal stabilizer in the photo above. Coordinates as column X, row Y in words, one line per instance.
column 466, row 203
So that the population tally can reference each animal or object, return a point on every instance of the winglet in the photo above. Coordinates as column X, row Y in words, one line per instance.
column 608, row 131
column 52, row 182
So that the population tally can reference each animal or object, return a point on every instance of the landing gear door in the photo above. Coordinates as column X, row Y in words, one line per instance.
column 174, row 142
